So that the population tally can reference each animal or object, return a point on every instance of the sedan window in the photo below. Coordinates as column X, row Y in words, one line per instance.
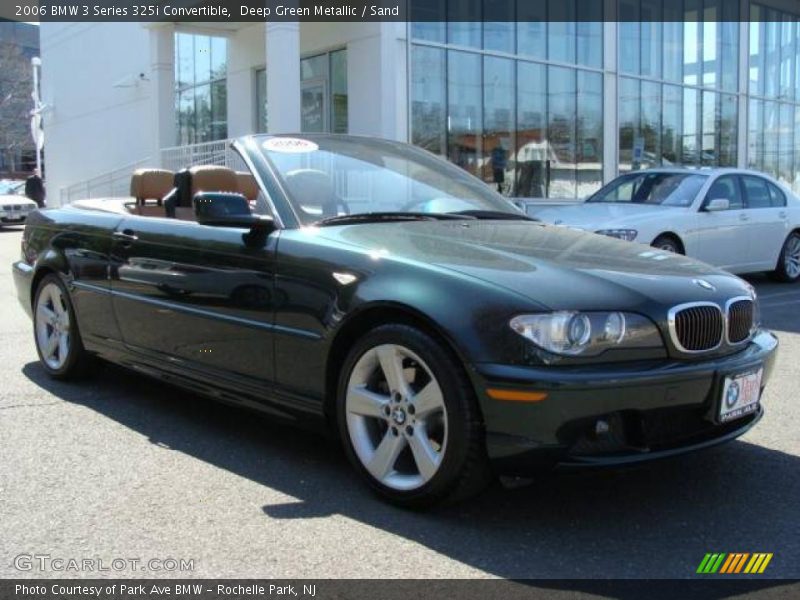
column 665, row 189
column 727, row 188
column 777, row 196
column 757, row 191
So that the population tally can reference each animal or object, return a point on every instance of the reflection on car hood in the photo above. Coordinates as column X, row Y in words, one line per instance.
column 601, row 215
column 555, row 266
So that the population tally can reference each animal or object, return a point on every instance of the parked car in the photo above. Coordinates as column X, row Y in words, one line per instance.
column 443, row 335
column 741, row 221
column 14, row 206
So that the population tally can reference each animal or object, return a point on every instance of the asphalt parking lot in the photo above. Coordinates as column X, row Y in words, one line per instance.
column 120, row 467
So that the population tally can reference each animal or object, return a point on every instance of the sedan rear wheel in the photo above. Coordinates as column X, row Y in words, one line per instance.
column 668, row 243
column 788, row 267
column 409, row 419
column 58, row 341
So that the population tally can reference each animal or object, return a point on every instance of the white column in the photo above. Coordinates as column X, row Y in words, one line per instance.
column 283, row 77
column 743, row 138
column 162, row 85
column 377, row 83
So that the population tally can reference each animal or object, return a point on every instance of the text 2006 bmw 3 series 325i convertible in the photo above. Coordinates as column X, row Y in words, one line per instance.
column 374, row 288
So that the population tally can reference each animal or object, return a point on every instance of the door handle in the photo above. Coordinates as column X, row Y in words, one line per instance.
column 782, row 214
column 743, row 217
column 125, row 236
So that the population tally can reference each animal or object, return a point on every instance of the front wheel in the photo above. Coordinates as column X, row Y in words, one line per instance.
column 409, row 419
column 788, row 267
column 58, row 341
column 668, row 243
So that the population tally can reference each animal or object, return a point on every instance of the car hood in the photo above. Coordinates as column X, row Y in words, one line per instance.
column 556, row 267
column 14, row 199
column 593, row 216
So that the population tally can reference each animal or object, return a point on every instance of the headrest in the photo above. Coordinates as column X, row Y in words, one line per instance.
column 151, row 183
column 211, row 178
column 247, row 185
column 313, row 190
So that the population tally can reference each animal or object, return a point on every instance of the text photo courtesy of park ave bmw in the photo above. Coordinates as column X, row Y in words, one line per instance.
column 330, row 299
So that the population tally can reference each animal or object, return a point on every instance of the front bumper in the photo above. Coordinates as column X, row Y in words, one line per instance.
column 23, row 279
column 650, row 411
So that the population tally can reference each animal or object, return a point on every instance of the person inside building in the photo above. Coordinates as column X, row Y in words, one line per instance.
column 34, row 189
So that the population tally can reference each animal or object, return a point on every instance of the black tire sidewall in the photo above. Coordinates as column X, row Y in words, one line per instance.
column 662, row 239
column 460, row 405
column 76, row 350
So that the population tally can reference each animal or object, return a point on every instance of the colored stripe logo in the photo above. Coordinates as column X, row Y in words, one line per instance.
column 735, row 562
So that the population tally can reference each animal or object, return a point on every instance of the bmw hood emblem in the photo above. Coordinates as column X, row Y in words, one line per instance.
column 704, row 284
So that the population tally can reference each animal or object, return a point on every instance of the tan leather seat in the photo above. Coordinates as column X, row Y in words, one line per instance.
column 247, row 185
column 150, row 184
column 210, row 178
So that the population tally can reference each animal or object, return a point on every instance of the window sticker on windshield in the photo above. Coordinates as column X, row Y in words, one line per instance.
column 289, row 145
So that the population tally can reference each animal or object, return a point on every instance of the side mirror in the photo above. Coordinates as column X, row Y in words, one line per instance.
column 717, row 204
column 226, row 209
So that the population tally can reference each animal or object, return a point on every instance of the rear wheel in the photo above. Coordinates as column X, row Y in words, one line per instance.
column 58, row 340
column 788, row 267
column 668, row 243
column 409, row 420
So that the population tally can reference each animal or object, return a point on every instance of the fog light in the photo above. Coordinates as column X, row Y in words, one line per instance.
column 601, row 427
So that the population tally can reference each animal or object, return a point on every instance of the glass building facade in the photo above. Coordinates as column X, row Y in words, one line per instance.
column 200, row 88
column 541, row 104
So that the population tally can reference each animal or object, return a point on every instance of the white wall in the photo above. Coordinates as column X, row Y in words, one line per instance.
column 246, row 54
column 93, row 126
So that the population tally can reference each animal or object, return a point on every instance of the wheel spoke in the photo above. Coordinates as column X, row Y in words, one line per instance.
column 63, row 346
column 385, row 456
column 55, row 300
column 46, row 315
column 363, row 402
column 392, row 366
column 425, row 457
column 51, row 345
column 428, row 400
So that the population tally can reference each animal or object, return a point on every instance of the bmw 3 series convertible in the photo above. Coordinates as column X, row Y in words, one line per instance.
column 386, row 295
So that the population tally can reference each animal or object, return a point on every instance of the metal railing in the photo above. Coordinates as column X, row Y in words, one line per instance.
column 116, row 183
column 111, row 184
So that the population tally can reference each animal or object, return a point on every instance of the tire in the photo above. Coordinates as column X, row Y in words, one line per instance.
column 668, row 243
column 411, row 458
column 55, row 331
column 788, row 267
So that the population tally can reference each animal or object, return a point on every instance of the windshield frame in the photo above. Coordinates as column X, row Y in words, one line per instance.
column 619, row 180
column 282, row 204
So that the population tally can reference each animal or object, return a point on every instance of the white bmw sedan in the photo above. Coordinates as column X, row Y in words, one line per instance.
column 742, row 221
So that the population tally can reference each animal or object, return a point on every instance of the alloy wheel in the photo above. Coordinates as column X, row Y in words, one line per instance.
column 792, row 257
column 53, row 326
column 396, row 417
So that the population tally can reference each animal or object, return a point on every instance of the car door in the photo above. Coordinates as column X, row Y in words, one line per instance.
column 195, row 296
column 767, row 219
column 722, row 236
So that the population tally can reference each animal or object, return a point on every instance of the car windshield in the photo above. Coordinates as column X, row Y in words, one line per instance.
column 665, row 189
column 328, row 177
column 11, row 187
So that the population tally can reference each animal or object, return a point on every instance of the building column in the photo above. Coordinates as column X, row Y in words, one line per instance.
column 162, row 84
column 610, row 101
column 283, row 77
column 377, row 83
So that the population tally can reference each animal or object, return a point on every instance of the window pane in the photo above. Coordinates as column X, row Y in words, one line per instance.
column 651, row 30
column 202, row 108
column 589, row 133
column 590, row 33
column 691, row 42
column 498, row 26
column 561, row 119
column 651, row 124
column 464, row 94
column 202, row 59
column 796, row 178
column 498, row 122
column 339, row 91
column 219, row 57
column 561, row 31
column 629, row 38
column 772, row 58
column 787, row 57
column 729, row 46
column 185, row 48
column 671, row 125
column 771, row 128
column 218, row 126
column 786, row 144
column 313, row 67
column 711, row 44
column 728, row 130
column 691, row 130
column 434, row 28
column 755, row 136
column 757, row 192
column 464, row 22
column 532, row 28
column 709, row 156
column 629, row 136
column 533, row 154
column 428, row 123
column 726, row 188
column 757, row 49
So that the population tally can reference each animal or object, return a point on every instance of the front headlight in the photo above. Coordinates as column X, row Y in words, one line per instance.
column 621, row 234
column 571, row 333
